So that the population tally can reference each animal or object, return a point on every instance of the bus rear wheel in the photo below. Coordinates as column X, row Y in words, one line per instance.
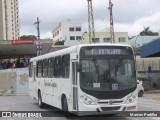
column 65, row 107
column 40, row 103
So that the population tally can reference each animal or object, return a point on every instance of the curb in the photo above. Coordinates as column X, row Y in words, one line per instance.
column 150, row 92
column 14, row 94
column 22, row 94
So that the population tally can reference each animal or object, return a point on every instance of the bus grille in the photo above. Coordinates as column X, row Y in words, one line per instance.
column 112, row 102
column 110, row 108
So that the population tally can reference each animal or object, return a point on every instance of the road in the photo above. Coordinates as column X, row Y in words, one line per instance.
column 148, row 105
column 25, row 103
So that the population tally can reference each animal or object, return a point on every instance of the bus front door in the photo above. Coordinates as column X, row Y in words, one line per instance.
column 34, row 83
column 74, row 86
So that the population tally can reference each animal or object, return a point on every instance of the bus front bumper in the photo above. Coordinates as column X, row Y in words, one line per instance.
column 104, row 109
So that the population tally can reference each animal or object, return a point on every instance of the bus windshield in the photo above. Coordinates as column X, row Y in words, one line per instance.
column 107, row 72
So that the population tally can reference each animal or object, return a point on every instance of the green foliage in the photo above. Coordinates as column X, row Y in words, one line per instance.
column 59, row 43
column 28, row 37
column 143, row 78
column 148, row 32
column 136, row 49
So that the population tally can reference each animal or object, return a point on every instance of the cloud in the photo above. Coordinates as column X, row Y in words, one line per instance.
column 129, row 15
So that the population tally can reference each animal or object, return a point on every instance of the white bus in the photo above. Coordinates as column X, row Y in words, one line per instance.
column 99, row 78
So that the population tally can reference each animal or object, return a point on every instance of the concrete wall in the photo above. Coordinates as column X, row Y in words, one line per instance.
column 143, row 63
column 17, row 78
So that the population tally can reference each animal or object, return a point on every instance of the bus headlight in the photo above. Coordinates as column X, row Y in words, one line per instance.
column 131, row 98
column 87, row 100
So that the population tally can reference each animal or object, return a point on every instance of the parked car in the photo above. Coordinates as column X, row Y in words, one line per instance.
column 140, row 88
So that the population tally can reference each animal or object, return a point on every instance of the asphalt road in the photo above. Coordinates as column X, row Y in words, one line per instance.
column 25, row 103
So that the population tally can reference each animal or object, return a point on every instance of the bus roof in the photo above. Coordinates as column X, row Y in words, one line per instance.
column 71, row 49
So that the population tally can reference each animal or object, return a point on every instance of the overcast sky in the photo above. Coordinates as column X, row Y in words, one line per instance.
column 129, row 15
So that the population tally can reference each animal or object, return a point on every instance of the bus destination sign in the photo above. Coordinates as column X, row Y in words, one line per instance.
column 106, row 51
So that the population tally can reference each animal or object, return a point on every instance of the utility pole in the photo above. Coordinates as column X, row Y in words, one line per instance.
column 111, row 22
column 91, row 22
column 39, row 47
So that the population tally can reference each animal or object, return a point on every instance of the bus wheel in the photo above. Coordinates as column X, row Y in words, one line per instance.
column 40, row 103
column 140, row 94
column 65, row 106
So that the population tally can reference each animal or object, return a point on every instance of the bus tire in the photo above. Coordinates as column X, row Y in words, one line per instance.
column 65, row 106
column 140, row 94
column 40, row 103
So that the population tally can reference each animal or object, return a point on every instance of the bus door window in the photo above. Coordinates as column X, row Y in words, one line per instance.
column 39, row 69
column 31, row 69
column 65, row 66
column 74, row 75
column 75, row 88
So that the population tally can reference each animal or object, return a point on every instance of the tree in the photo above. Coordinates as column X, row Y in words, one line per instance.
column 146, row 31
column 136, row 50
column 59, row 43
column 28, row 37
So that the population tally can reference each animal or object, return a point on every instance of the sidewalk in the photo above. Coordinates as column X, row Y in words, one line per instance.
column 153, row 94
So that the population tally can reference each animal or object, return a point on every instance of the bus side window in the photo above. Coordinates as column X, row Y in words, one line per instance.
column 65, row 66
column 39, row 69
column 45, row 66
column 57, row 67
column 50, row 67
column 30, row 69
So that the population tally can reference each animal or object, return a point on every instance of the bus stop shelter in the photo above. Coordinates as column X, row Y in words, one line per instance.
column 20, row 48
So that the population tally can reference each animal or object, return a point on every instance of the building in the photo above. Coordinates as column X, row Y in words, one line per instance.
column 144, row 61
column 9, row 20
column 68, row 32
column 10, row 49
column 103, row 36
column 72, row 34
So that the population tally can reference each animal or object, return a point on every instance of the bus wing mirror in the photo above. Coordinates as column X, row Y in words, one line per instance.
column 78, row 66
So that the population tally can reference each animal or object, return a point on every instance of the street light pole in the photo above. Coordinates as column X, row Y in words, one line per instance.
column 82, row 36
column 135, row 47
column 38, row 32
